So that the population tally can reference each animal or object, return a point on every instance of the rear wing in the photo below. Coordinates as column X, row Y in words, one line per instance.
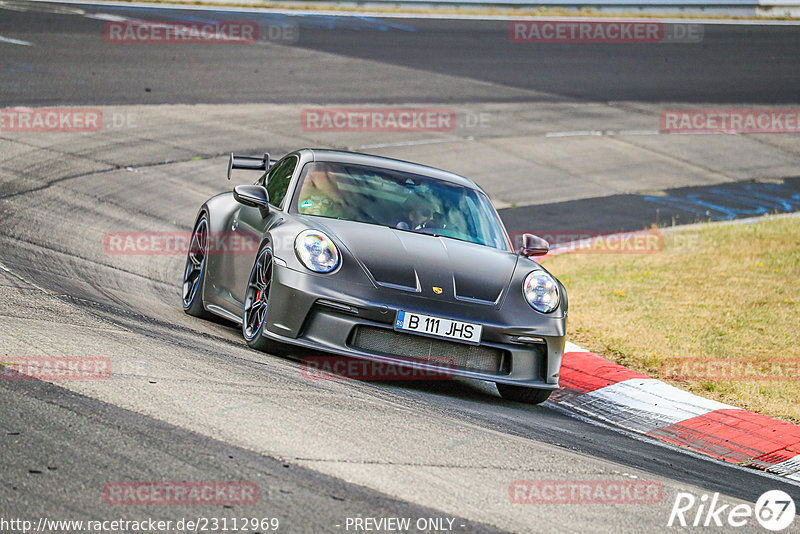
column 249, row 162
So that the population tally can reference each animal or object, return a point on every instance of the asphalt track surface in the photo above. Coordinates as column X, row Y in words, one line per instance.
column 733, row 64
column 191, row 401
column 678, row 206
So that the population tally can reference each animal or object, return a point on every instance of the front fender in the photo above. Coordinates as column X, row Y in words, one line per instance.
column 219, row 210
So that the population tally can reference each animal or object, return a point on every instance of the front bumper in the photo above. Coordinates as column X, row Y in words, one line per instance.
column 318, row 312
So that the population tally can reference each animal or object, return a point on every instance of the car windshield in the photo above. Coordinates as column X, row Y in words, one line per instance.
column 400, row 200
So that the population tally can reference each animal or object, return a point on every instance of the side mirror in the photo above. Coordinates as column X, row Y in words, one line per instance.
column 255, row 196
column 533, row 245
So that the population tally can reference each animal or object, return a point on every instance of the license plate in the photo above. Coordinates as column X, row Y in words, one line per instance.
column 438, row 326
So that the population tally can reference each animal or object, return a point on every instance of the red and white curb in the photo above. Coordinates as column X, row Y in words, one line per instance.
column 599, row 388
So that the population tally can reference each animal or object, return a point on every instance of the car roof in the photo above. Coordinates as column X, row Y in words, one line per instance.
column 342, row 156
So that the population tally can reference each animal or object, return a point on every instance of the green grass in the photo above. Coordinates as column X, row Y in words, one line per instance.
column 716, row 297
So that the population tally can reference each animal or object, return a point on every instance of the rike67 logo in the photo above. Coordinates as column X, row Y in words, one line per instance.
column 774, row 510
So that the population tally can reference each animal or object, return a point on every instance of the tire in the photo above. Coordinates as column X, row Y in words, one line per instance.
column 256, row 302
column 194, row 274
column 523, row 394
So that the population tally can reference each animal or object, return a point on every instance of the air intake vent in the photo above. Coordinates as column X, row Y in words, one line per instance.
column 429, row 350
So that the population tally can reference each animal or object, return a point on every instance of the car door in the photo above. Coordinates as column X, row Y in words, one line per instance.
column 248, row 225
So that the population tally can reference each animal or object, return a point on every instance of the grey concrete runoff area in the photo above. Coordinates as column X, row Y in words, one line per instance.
column 186, row 399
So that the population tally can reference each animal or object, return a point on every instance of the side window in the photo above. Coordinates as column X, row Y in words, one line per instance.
column 278, row 180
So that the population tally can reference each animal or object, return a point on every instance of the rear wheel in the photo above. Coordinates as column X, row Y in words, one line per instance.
column 523, row 394
column 256, row 302
column 194, row 274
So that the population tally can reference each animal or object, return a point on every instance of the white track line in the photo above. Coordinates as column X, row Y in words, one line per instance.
column 107, row 17
column 579, row 133
column 14, row 41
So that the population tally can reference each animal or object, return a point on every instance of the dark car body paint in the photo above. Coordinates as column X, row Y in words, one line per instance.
column 383, row 270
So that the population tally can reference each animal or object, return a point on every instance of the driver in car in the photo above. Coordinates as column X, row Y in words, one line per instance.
column 321, row 196
column 418, row 214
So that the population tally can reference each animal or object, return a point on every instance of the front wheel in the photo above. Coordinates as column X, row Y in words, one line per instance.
column 256, row 302
column 523, row 394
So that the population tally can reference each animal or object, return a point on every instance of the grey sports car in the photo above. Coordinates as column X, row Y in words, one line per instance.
column 379, row 259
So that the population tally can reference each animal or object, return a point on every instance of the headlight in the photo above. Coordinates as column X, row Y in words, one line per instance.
column 316, row 251
column 541, row 291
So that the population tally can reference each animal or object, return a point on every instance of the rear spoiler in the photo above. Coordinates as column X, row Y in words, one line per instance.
column 249, row 162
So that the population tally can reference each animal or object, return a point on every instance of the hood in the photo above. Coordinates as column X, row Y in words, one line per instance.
column 409, row 261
